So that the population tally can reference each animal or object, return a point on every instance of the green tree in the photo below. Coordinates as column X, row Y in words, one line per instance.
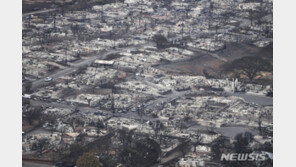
column 27, row 87
column 76, row 151
column 83, row 4
column 88, row 160
column 143, row 153
column 259, row 15
column 249, row 66
column 33, row 114
column 241, row 145
column 40, row 145
column 218, row 147
column 160, row 41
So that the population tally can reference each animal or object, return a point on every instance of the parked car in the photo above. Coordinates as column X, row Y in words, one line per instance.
column 73, row 104
column 27, row 96
column 59, row 164
column 47, row 79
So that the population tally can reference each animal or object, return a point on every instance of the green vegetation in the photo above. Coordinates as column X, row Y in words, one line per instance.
column 241, row 145
column 143, row 153
column 33, row 114
column 160, row 41
column 249, row 66
column 218, row 147
column 40, row 145
column 88, row 160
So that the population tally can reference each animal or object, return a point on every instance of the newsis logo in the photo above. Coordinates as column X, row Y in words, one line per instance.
column 245, row 156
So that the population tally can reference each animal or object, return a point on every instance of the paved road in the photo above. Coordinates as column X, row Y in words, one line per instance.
column 230, row 131
column 38, row 12
column 176, row 154
column 206, row 53
column 82, row 63
column 250, row 98
column 170, row 97
column 253, row 98
column 50, row 104
column 130, row 115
